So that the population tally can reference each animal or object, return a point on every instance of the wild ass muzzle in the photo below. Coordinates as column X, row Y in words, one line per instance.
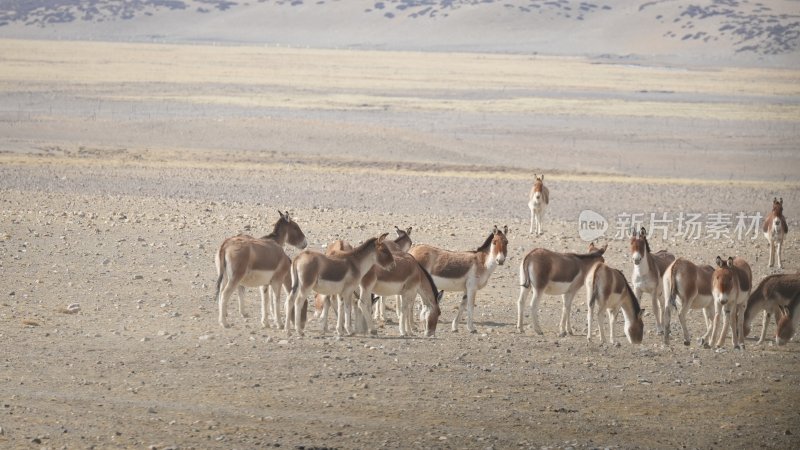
column 544, row 271
column 775, row 229
column 648, row 268
column 244, row 261
column 691, row 284
column 730, row 287
column 538, row 199
column 466, row 272
column 608, row 290
column 772, row 295
column 335, row 275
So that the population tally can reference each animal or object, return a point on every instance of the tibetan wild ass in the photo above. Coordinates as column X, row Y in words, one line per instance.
column 608, row 290
column 775, row 229
column 772, row 295
column 538, row 199
column 786, row 325
column 730, row 287
column 648, row 268
column 692, row 285
column 247, row 261
column 546, row 272
column 335, row 275
column 467, row 271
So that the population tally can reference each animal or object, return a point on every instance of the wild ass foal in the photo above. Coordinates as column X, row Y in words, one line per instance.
column 334, row 275
column 775, row 229
column 730, row 287
column 247, row 261
column 538, row 199
column 648, row 268
column 608, row 290
column 692, row 285
column 772, row 295
column 546, row 272
column 465, row 272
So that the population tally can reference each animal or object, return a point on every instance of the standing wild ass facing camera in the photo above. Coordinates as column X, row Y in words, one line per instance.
column 466, row 272
column 401, row 244
column 538, row 199
column 775, row 229
column 547, row 272
column 772, row 295
column 692, row 285
column 334, row 275
column 730, row 287
column 608, row 290
column 648, row 268
column 246, row 261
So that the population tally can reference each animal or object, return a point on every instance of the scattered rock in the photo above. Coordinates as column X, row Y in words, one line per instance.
column 30, row 323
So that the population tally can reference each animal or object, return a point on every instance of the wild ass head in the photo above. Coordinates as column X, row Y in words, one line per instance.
column 403, row 239
column 287, row 230
column 639, row 245
column 634, row 326
column 498, row 245
column 383, row 255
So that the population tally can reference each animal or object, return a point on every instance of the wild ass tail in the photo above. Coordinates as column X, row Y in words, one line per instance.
column 595, row 289
column 524, row 277
column 670, row 288
column 221, row 257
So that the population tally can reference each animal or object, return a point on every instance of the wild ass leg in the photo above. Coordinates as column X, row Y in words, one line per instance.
column 365, row 305
column 764, row 323
column 589, row 314
column 294, row 303
column 523, row 295
column 779, row 254
column 224, row 295
column 471, row 307
column 265, row 299
column 682, row 317
column 612, row 316
column 240, row 294
column 771, row 252
column 565, row 326
column 326, row 306
column 537, row 296
column 738, row 326
column 723, row 335
column 708, row 313
column 533, row 219
column 657, row 310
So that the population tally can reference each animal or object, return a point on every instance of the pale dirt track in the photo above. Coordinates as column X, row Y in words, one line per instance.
column 120, row 204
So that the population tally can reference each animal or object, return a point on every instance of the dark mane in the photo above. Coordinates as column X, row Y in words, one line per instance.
column 274, row 235
column 634, row 300
column 430, row 280
column 486, row 244
column 586, row 255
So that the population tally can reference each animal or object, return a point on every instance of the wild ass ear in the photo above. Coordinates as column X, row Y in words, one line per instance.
column 542, row 178
column 641, row 313
column 381, row 238
column 286, row 216
column 643, row 232
column 780, row 200
column 505, row 229
column 719, row 261
column 398, row 230
column 730, row 261
column 408, row 230
column 281, row 214
column 439, row 296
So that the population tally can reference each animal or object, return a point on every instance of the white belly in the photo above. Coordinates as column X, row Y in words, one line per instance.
column 557, row 288
column 450, row 284
column 388, row 288
column 256, row 278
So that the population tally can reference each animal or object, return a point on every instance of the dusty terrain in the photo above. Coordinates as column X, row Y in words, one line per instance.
column 118, row 182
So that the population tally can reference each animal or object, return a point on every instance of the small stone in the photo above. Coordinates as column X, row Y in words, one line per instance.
column 138, row 277
column 283, row 342
column 206, row 337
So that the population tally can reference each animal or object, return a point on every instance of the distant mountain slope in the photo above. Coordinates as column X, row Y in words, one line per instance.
column 701, row 31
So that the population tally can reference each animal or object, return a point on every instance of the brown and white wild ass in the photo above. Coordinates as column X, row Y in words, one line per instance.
column 256, row 262
column 401, row 243
column 538, row 199
column 691, row 284
column 648, row 269
column 406, row 279
column 775, row 229
column 730, row 287
column 466, row 271
column 772, row 295
column 335, row 275
column 544, row 271
column 608, row 290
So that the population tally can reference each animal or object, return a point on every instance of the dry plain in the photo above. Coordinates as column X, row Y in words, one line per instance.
column 123, row 166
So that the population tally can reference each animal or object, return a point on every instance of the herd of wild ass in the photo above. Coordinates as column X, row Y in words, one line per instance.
column 349, row 279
